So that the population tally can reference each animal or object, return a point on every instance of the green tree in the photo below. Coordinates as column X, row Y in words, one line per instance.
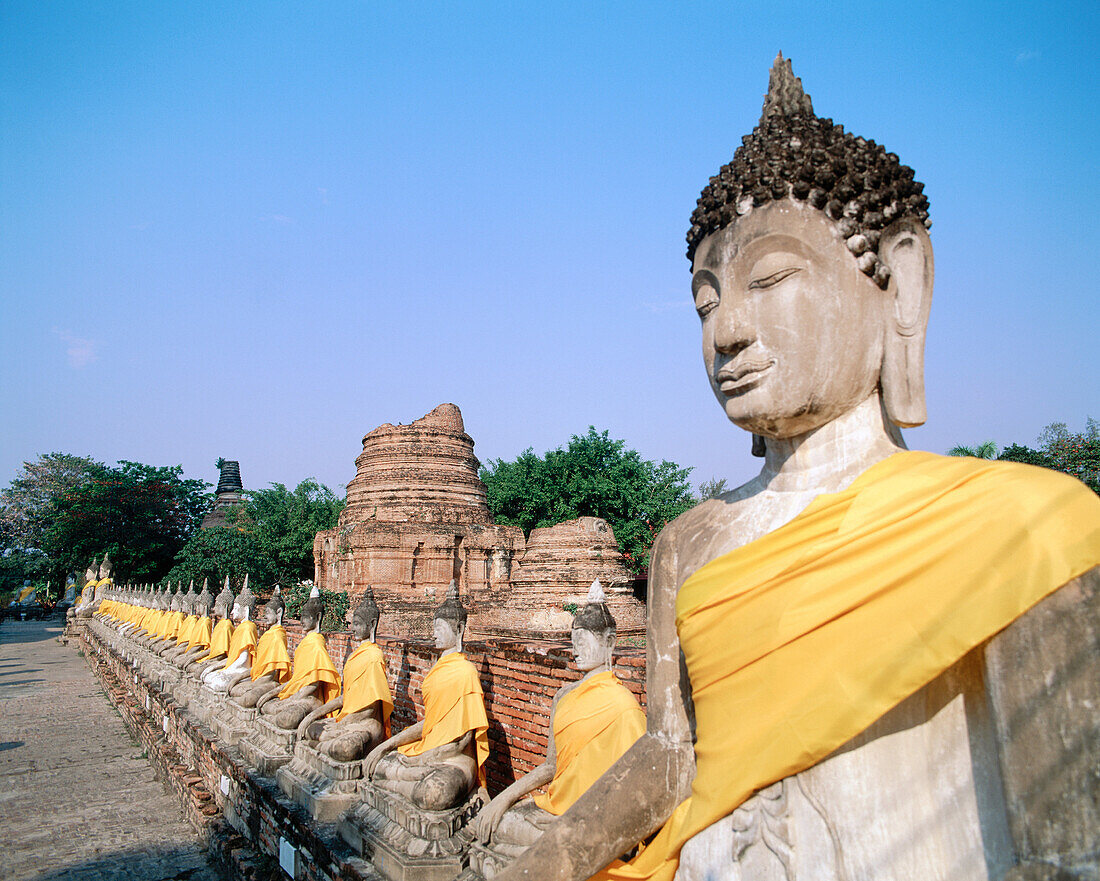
column 1076, row 453
column 141, row 514
column 712, row 489
column 335, row 602
column 593, row 476
column 72, row 509
column 220, row 551
column 28, row 503
column 987, row 450
column 284, row 524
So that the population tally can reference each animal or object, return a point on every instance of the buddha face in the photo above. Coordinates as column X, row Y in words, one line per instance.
column 271, row 613
column 591, row 650
column 361, row 627
column 792, row 330
column 445, row 633
column 309, row 620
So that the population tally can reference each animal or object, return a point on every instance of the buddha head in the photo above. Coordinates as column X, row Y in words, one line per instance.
column 189, row 600
column 174, row 598
column 223, row 602
column 811, row 272
column 91, row 573
column 244, row 606
column 204, row 601
column 275, row 608
column 593, row 634
column 105, row 567
column 364, row 620
column 450, row 621
column 313, row 610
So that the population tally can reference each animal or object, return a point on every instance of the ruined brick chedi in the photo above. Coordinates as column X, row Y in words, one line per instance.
column 417, row 517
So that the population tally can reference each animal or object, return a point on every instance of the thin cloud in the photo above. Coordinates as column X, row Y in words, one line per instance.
column 80, row 352
column 1027, row 55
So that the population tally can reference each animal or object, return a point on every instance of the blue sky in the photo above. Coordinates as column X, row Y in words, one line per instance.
column 258, row 230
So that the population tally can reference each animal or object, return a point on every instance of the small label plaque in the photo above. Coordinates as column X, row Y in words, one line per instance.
column 287, row 854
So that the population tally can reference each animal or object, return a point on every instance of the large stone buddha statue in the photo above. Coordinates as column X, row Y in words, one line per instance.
column 362, row 709
column 438, row 762
column 593, row 721
column 865, row 663
column 270, row 665
column 314, row 679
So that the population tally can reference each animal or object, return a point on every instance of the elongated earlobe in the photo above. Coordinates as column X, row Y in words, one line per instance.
column 906, row 249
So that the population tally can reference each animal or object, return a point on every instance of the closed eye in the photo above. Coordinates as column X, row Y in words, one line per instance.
column 775, row 278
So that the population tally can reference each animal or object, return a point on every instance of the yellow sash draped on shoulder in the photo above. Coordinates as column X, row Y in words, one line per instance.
column 244, row 640
column 183, row 635
column 172, row 626
column 454, row 703
column 594, row 724
column 220, row 637
column 312, row 664
column 271, row 654
column 798, row 641
column 364, row 682
column 200, row 633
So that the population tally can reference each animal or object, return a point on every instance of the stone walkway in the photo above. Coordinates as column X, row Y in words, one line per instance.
column 78, row 800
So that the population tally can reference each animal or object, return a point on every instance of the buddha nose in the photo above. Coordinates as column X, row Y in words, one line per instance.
column 734, row 329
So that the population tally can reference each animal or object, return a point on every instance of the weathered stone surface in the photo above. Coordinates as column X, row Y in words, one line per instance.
column 417, row 518
column 229, row 493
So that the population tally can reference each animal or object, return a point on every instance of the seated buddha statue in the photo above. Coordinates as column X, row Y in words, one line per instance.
column 154, row 621
column 168, row 629
column 438, row 762
column 593, row 721
column 362, row 709
column 242, row 646
column 202, row 631
column 84, row 605
column 220, row 636
column 314, row 679
column 858, row 659
column 190, row 620
column 271, row 662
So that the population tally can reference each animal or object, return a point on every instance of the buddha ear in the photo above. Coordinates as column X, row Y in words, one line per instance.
column 906, row 250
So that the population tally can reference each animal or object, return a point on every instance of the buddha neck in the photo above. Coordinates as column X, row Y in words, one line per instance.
column 830, row 457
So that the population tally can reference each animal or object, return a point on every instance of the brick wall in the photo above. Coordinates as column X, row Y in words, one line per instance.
column 520, row 678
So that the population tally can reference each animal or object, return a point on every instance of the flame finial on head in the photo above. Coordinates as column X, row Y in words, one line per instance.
column 594, row 614
column 452, row 609
column 785, row 94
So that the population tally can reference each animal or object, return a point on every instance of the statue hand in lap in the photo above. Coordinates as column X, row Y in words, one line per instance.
column 592, row 723
column 313, row 678
column 270, row 663
column 438, row 762
column 364, row 707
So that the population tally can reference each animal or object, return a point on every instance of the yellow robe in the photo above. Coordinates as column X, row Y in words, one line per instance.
column 172, row 625
column 797, row 642
column 200, row 633
column 271, row 654
column 312, row 664
column 183, row 635
column 594, row 724
column 220, row 638
column 244, row 640
column 454, row 703
column 364, row 682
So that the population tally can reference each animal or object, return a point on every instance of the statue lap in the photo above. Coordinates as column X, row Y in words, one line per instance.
column 434, row 786
column 993, row 767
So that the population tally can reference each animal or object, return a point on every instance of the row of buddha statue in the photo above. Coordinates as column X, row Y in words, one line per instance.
column 417, row 795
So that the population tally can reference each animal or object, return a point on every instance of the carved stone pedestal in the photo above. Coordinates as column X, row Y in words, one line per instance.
column 187, row 686
column 487, row 861
column 267, row 748
column 323, row 786
column 407, row 843
column 203, row 704
column 230, row 721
